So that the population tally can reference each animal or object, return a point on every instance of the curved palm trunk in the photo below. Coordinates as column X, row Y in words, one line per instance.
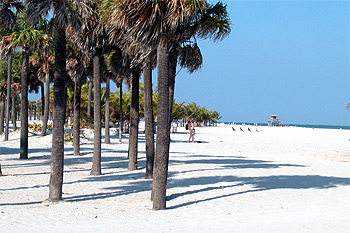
column 76, row 121
column 149, row 122
column 8, row 98
column 89, row 101
column 14, row 114
column 57, row 151
column 160, row 173
column 120, row 111
column 2, row 115
column 96, row 160
column 46, row 107
column 107, row 136
column 134, row 120
column 24, row 105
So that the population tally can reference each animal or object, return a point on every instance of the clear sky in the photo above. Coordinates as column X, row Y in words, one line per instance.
column 289, row 58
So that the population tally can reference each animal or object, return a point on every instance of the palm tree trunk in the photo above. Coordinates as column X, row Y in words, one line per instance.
column 172, row 74
column 89, row 101
column 76, row 124
column 2, row 115
column 160, row 173
column 120, row 111
column 34, row 112
column 149, row 122
column 8, row 98
column 134, row 120
column 96, row 160
column 14, row 114
column 30, row 110
column 59, row 112
column 46, row 107
column 107, row 136
column 24, row 105
column 42, row 99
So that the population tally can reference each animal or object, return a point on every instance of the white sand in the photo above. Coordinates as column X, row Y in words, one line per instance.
column 275, row 180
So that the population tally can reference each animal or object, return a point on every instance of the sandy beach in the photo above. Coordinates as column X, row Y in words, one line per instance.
column 285, row 179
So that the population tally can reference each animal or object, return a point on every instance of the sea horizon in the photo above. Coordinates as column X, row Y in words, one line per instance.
column 318, row 126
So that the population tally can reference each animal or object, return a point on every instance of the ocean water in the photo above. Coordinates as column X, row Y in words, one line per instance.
column 300, row 125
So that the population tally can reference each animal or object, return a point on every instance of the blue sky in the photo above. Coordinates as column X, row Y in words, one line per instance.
column 289, row 58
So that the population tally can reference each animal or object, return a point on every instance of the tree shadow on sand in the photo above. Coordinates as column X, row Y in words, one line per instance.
column 255, row 184
column 224, row 163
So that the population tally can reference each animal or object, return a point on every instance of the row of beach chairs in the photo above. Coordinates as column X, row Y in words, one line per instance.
column 240, row 129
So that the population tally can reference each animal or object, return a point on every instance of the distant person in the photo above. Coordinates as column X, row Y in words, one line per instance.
column 192, row 131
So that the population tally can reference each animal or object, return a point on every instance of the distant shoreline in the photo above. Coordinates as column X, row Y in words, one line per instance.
column 296, row 125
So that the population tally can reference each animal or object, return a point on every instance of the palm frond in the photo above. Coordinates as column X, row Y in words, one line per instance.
column 37, row 9
column 7, row 18
column 214, row 23
column 190, row 57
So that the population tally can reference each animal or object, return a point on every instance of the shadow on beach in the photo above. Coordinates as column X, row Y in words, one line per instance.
column 256, row 184
column 134, row 182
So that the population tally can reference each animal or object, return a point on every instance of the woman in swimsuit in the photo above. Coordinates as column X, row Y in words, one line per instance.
column 192, row 131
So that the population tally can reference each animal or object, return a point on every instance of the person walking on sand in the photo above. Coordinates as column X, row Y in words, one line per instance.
column 192, row 131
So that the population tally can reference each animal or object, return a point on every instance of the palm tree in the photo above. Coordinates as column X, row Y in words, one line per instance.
column 107, row 75
column 149, row 120
column 89, row 101
column 2, row 104
column 8, row 20
column 96, row 160
column 157, row 28
column 134, row 120
column 46, row 68
column 15, row 90
column 64, row 13
column 6, row 50
column 25, row 37
column 213, row 23
column 76, row 70
column 91, row 40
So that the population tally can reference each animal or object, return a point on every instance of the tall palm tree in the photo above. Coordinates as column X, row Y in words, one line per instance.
column 88, row 120
column 2, row 104
column 134, row 120
column 26, row 37
column 211, row 23
column 46, row 71
column 91, row 39
column 8, row 20
column 76, row 71
column 157, row 28
column 15, row 90
column 64, row 13
column 107, row 75
column 149, row 121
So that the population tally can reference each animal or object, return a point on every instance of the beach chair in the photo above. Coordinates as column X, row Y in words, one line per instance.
column 233, row 129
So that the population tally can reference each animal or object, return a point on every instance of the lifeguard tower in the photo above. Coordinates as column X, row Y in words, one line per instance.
column 273, row 122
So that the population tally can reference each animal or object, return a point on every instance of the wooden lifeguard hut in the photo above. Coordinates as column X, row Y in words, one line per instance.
column 273, row 122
